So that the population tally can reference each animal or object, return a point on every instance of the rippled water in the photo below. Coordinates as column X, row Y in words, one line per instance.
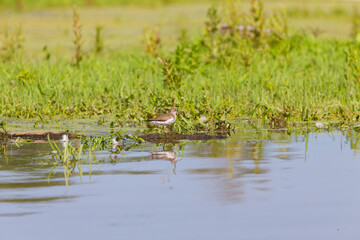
column 256, row 184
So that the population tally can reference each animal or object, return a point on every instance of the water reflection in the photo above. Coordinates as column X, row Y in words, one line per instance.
column 167, row 155
column 202, row 179
column 34, row 200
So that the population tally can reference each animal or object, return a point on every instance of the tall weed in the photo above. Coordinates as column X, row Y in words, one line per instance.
column 11, row 43
column 78, row 42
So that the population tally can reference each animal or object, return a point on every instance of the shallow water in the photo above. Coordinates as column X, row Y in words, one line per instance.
column 256, row 184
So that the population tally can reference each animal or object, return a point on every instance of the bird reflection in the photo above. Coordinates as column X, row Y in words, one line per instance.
column 65, row 140
column 167, row 155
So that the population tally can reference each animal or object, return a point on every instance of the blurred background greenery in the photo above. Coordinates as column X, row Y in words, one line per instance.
column 49, row 22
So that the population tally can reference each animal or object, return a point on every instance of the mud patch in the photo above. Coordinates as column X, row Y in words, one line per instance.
column 175, row 137
column 40, row 135
column 277, row 122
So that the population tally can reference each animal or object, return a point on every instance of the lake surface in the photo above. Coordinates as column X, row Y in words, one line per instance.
column 257, row 184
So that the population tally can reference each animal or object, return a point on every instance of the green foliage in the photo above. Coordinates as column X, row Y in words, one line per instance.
column 26, row 76
column 353, row 61
column 210, row 39
column 172, row 78
column 187, row 57
column 258, row 21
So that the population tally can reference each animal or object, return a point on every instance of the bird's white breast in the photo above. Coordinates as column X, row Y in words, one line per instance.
column 164, row 123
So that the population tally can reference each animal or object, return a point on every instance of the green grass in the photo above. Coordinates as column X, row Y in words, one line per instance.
column 297, row 77
column 310, row 78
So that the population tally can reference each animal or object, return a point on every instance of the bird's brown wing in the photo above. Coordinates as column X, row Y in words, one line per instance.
column 163, row 117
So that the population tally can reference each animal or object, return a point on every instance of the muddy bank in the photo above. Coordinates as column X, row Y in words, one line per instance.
column 175, row 137
column 172, row 137
column 37, row 135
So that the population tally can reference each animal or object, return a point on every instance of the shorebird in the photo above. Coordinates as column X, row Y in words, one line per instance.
column 165, row 119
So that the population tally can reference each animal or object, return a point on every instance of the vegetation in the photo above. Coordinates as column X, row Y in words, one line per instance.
column 242, row 64
column 30, row 4
column 78, row 39
column 82, row 151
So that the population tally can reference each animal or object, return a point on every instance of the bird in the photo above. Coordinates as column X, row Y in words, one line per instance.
column 165, row 119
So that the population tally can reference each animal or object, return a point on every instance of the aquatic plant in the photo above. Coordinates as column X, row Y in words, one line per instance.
column 3, row 138
column 73, row 154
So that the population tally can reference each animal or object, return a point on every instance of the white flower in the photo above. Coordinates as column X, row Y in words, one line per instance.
column 319, row 125
column 203, row 118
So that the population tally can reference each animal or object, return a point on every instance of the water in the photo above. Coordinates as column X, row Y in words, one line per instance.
column 257, row 184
